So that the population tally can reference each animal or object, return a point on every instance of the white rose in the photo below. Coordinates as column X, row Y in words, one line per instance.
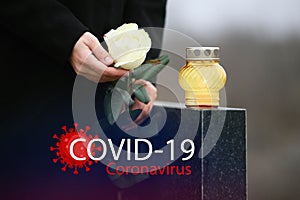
column 128, row 45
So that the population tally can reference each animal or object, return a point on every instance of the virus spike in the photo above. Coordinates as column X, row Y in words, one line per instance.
column 55, row 136
column 55, row 160
column 64, row 128
column 75, row 171
column 64, row 168
column 87, row 169
column 52, row 148
column 87, row 128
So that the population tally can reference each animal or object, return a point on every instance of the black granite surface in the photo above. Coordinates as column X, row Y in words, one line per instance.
column 219, row 165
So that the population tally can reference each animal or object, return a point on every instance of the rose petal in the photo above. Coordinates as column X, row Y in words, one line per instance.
column 128, row 45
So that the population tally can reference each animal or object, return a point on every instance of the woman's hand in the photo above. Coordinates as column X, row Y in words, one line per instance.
column 91, row 60
column 146, row 108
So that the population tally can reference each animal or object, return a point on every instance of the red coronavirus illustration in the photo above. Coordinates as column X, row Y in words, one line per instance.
column 80, row 148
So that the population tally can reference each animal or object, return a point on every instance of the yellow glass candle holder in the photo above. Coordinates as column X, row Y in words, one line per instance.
column 202, row 77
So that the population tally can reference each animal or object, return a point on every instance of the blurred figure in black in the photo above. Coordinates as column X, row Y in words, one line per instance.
column 43, row 45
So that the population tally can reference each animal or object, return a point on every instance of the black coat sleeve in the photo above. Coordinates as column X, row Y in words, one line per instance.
column 46, row 24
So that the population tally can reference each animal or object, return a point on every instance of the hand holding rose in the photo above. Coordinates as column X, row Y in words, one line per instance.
column 90, row 60
column 128, row 47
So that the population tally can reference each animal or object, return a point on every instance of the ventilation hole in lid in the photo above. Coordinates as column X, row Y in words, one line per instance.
column 216, row 53
column 189, row 54
column 197, row 52
column 207, row 52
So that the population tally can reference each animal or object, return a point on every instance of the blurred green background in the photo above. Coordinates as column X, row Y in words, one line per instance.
column 260, row 51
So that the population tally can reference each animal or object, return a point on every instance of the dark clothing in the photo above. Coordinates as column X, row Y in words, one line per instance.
column 37, row 37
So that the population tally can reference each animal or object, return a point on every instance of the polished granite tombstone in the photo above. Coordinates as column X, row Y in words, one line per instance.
column 219, row 165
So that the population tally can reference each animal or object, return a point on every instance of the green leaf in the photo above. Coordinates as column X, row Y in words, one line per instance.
column 125, row 96
column 164, row 59
column 153, row 71
column 113, row 109
column 125, row 87
column 141, row 93
column 139, row 71
column 123, row 83
column 147, row 76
